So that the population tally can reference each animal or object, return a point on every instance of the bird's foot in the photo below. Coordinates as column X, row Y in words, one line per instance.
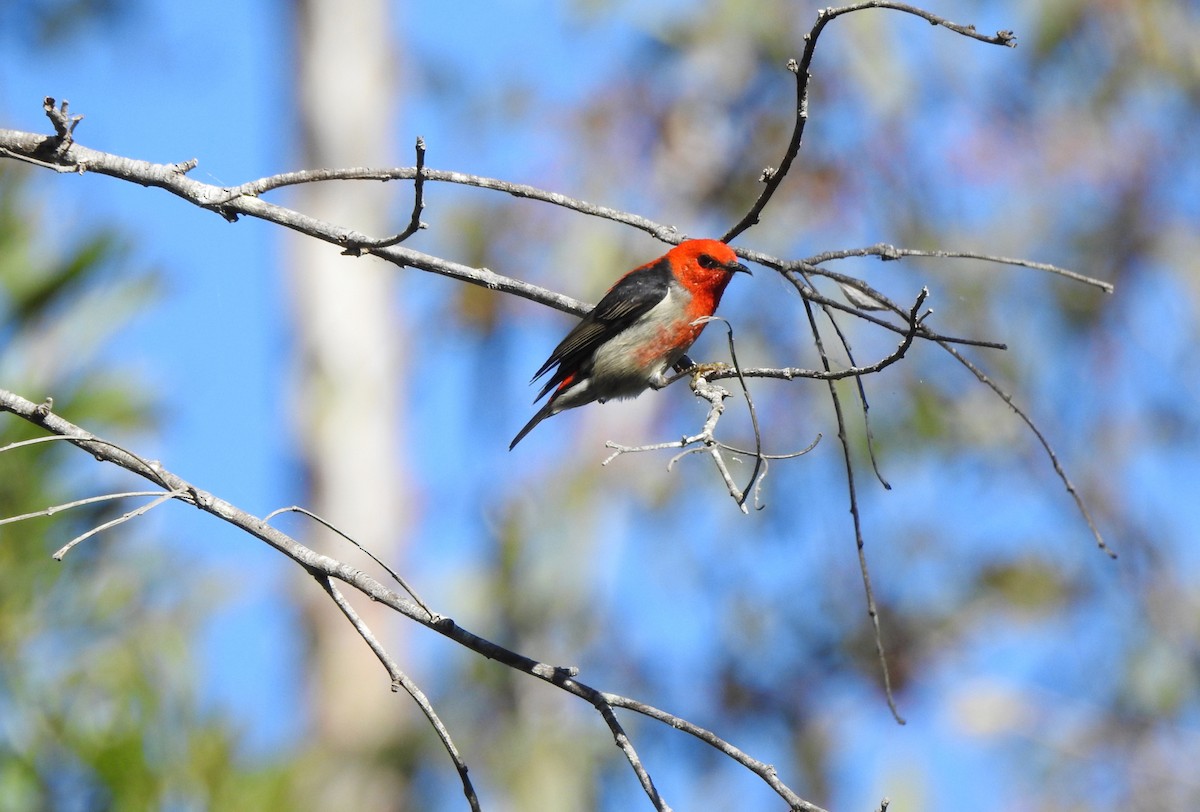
column 705, row 370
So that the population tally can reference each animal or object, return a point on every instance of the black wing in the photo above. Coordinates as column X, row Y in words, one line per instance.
column 629, row 299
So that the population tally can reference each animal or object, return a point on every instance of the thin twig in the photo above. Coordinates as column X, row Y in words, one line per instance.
column 414, row 223
column 773, row 177
column 702, row 442
column 133, row 514
column 399, row 678
column 789, row 456
column 1003, row 37
column 796, row 271
column 715, row 396
column 890, row 252
column 331, row 526
column 872, row 609
column 762, row 769
column 759, row 459
column 601, row 704
column 861, row 387
column 914, row 322
column 29, row 159
column 50, row 511
column 84, row 441
column 666, row 233
column 1028, row 421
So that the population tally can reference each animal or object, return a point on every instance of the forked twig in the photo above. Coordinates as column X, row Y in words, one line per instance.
column 331, row 526
column 705, row 440
column 133, row 514
column 91, row 500
column 915, row 325
column 773, row 177
column 762, row 769
column 402, row 680
column 414, row 223
column 64, row 123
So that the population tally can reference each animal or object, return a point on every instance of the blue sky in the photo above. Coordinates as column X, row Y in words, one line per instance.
column 210, row 83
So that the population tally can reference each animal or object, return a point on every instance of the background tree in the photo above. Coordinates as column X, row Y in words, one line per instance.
column 350, row 350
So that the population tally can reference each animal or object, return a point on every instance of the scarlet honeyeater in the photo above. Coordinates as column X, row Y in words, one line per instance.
column 642, row 326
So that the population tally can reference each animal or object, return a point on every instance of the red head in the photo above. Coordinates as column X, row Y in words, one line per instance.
column 704, row 267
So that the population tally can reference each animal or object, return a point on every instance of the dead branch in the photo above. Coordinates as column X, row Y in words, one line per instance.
column 326, row 569
column 772, row 177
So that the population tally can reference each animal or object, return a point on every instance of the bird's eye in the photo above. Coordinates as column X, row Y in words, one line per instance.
column 707, row 262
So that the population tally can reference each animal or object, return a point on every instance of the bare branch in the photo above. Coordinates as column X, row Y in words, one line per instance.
column 231, row 202
column 848, row 467
column 133, row 514
column 321, row 565
column 861, row 388
column 623, row 741
column 173, row 178
column 402, row 680
column 791, row 455
column 666, row 233
column 759, row 460
column 91, row 500
column 64, row 123
column 414, row 224
column 704, row 441
column 330, row 526
column 1005, row 38
column 772, row 177
column 795, row 271
column 762, row 769
column 890, row 252
column 1028, row 421
column 791, row 373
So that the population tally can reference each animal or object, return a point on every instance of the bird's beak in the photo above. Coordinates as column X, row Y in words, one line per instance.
column 738, row 267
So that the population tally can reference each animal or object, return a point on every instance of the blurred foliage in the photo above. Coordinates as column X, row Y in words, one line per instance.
column 45, row 23
column 96, row 679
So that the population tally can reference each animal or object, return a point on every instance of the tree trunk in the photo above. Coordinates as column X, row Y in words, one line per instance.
column 348, row 344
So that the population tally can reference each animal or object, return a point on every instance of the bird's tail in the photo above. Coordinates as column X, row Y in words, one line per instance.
column 544, row 412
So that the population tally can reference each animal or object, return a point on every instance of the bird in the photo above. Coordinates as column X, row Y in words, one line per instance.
column 642, row 326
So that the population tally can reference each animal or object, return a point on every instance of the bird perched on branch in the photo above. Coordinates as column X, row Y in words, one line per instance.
column 642, row 326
